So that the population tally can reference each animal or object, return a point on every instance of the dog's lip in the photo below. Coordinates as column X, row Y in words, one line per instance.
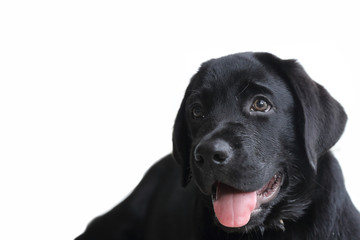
column 270, row 190
column 265, row 194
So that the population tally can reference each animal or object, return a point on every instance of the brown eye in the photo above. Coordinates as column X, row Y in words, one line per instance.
column 197, row 112
column 260, row 105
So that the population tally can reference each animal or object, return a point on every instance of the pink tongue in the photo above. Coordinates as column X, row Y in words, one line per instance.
column 232, row 207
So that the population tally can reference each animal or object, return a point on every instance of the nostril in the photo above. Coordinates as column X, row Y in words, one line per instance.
column 220, row 157
column 214, row 150
column 199, row 158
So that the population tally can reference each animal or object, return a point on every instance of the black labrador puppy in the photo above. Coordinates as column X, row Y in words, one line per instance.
column 251, row 147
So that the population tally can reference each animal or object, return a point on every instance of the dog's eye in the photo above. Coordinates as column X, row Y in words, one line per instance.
column 197, row 112
column 261, row 105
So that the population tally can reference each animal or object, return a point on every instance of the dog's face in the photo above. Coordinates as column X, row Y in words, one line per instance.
column 248, row 135
column 241, row 120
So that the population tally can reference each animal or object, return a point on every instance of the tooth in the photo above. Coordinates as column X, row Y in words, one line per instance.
column 282, row 225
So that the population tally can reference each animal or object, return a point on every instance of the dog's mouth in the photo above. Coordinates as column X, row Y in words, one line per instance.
column 233, row 208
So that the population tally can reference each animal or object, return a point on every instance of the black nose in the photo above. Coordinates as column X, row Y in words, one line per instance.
column 217, row 151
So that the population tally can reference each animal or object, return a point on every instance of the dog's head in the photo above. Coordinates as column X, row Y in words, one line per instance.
column 249, row 132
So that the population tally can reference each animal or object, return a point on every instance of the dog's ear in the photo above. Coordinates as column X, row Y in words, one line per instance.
column 181, row 143
column 323, row 119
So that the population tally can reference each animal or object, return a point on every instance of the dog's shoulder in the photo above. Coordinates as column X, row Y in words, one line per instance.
column 336, row 215
column 347, row 218
column 149, row 204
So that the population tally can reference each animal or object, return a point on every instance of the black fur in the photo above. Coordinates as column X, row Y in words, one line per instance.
column 293, row 138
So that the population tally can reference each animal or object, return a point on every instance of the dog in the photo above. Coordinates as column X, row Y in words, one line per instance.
column 251, row 160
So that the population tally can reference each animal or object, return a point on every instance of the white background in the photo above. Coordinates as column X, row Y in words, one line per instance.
column 89, row 91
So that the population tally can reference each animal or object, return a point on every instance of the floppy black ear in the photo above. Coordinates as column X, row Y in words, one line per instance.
column 323, row 118
column 181, row 143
